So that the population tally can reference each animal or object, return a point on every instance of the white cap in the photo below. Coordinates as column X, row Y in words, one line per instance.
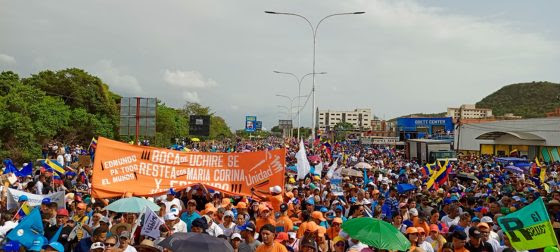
column 97, row 245
column 169, row 217
column 486, row 219
column 413, row 211
column 105, row 219
column 228, row 213
column 236, row 235
column 276, row 189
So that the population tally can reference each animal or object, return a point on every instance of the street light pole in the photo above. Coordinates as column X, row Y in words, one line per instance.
column 291, row 99
column 314, row 31
column 299, row 80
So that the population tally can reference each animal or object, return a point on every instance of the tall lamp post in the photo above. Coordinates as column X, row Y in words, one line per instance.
column 299, row 80
column 291, row 99
column 314, row 31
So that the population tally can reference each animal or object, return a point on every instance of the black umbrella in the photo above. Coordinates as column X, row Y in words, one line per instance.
column 195, row 242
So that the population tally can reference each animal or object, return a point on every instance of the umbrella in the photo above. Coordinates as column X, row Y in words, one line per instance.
column 131, row 205
column 363, row 165
column 514, row 169
column 195, row 139
column 195, row 242
column 376, row 233
column 403, row 188
column 464, row 175
column 351, row 173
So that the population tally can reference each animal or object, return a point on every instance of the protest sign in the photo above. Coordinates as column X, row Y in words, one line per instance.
column 33, row 199
column 121, row 168
column 529, row 228
column 151, row 224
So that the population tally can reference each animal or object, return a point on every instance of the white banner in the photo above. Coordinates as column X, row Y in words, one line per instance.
column 151, row 224
column 33, row 199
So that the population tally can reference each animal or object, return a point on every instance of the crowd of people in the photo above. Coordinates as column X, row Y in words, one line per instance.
column 307, row 214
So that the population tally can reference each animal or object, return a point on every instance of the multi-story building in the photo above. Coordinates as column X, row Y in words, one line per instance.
column 381, row 128
column 469, row 111
column 359, row 118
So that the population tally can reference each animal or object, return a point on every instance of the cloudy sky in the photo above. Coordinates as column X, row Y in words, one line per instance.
column 400, row 57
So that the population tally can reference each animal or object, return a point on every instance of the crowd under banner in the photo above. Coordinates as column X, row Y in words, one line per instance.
column 121, row 168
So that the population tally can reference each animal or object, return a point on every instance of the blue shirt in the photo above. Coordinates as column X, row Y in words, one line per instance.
column 83, row 245
column 188, row 218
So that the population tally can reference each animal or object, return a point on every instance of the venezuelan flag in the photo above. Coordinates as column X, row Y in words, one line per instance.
column 50, row 165
column 92, row 144
column 427, row 170
column 24, row 210
column 442, row 178
column 440, row 175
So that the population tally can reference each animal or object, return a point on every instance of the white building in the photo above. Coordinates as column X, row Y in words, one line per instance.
column 359, row 118
column 469, row 111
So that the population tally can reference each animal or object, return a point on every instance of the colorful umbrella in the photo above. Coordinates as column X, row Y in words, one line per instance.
column 363, row 165
column 131, row 205
column 404, row 188
column 195, row 242
column 376, row 233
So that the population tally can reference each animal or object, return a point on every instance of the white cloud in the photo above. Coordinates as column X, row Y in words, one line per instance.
column 6, row 59
column 191, row 96
column 118, row 81
column 187, row 79
column 234, row 107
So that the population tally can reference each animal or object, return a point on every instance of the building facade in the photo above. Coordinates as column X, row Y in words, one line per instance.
column 424, row 127
column 359, row 118
column 381, row 128
column 469, row 111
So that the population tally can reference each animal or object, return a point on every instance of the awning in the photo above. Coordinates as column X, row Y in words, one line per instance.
column 521, row 135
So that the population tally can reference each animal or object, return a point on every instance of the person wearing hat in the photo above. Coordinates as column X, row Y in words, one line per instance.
column 435, row 238
column 61, row 221
column 490, row 224
column 282, row 238
column 422, row 243
column 459, row 240
column 81, row 219
column 484, row 230
column 227, row 224
column 249, row 243
column 97, row 247
column 147, row 245
column 412, row 236
column 190, row 214
column 173, row 222
column 235, row 241
column 274, row 196
column 267, row 234
column 264, row 217
column 98, row 236
column 335, row 228
column 170, row 200
column 124, row 242
column 476, row 243
column 283, row 222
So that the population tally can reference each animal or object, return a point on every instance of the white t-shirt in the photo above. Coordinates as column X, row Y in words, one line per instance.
column 214, row 230
column 129, row 249
column 168, row 204
column 60, row 159
column 427, row 246
column 450, row 222
column 180, row 226
column 228, row 231
column 39, row 188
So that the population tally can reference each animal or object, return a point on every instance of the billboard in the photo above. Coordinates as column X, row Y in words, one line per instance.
column 258, row 125
column 137, row 116
column 199, row 125
column 285, row 124
column 250, row 123
column 421, row 127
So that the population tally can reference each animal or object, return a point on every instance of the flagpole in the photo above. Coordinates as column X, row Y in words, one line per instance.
column 17, row 212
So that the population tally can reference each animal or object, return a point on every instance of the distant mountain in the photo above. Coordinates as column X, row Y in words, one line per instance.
column 442, row 114
column 528, row 100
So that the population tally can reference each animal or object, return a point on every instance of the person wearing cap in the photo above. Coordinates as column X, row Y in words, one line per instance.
column 267, row 234
column 124, row 242
column 476, row 243
column 190, row 214
column 249, row 243
column 283, row 222
column 490, row 223
column 282, row 238
column 412, row 236
column 171, row 200
column 173, row 222
column 274, row 196
column 97, row 247
column 422, row 243
column 53, row 247
column 61, row 221
column 484, row 229
column 335, row 228
column 435, row 238
column 85, row 244
column 81, row 219
column 200, row 195
column 227, row 224
column 235, row 241
column 264, row 217
column 459, row 240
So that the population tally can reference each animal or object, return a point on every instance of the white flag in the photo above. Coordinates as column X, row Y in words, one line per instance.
column 332, row 168
column 151, row 225
column 303, row 166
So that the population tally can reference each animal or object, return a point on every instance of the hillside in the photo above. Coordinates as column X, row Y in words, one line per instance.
column 528, row 100
column 442, row 114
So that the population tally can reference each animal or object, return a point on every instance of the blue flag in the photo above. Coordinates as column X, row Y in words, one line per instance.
column 26, row 170
column 28, row 230
column 10, row 167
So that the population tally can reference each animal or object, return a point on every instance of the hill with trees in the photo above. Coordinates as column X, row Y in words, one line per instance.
column 528, row 100
column 72, row 106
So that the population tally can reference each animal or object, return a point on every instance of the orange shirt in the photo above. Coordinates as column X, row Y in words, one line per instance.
column 461, row 250
column 309, row 225
column 331, row 233
column 276, row 201
column 286, row 222
column 261, row 222
column 275, row 247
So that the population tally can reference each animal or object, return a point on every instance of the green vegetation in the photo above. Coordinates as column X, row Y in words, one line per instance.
column 528, row 100
column 72, row 106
